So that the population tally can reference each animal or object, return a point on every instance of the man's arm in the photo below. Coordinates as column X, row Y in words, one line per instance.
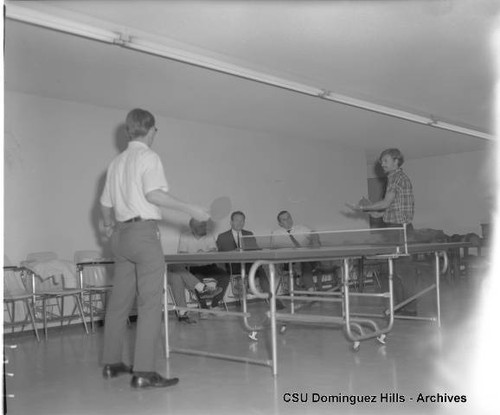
column 210, row 245
column 382, row 204
column 106, row 226
column 375, row 207
column 163, row 199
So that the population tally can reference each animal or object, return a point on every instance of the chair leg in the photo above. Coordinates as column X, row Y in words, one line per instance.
column 375, row 276
column 80, row 308
column 91, row 309
column 32, row 318
column 61, row 310
column 12, row 314
column 44, row 312
column 171, row 296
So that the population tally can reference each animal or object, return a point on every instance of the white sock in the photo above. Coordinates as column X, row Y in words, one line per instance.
column 199, row 287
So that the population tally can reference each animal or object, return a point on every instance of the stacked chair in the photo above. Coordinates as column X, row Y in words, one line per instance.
column 53, row 282
column 18, row 300
column 95, row 281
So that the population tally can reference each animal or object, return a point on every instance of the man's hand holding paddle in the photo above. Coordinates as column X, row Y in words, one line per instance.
column 360, row 206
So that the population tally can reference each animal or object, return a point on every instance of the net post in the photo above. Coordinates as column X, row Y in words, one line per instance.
column 405, row 236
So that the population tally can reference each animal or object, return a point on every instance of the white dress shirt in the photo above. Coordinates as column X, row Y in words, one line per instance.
column 190, row 244
column 237, row 237
column 131, row 175
column 280, row 238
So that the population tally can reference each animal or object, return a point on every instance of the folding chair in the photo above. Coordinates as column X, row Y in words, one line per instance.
column 237, row 288
column 95, row 282
column 326, row 276
column 51, row 288
column 18, row 301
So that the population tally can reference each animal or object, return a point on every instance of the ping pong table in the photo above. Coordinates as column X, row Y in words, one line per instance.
column 260, row 252
column 358, row 328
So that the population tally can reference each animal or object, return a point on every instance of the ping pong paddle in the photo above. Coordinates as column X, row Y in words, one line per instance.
column 220, row 208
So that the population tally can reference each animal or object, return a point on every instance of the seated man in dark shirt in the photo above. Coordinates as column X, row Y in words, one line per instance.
column 232, row 240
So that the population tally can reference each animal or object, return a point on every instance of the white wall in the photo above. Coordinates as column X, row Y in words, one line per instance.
column 453, row 192
column 56, row 153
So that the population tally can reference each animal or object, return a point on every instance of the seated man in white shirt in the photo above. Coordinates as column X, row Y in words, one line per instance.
column 180, row 279
column 197, row 240
column 295, row 236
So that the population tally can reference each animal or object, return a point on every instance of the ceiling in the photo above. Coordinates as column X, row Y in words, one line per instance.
column 430, row 57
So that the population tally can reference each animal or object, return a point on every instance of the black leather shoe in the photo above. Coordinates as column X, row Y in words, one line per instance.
column 186, row 319
column 208, row 292
column 279, row 305
column 151, row 380
column 116, row 369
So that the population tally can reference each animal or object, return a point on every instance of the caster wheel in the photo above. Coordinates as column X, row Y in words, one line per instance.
column 283, row 329
column 381, row 339
column 355, row 346
column 253, row 336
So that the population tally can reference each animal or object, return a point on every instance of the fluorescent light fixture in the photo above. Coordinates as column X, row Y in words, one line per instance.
column 47, row 20
column 381, row 109
column 34, row 17
column 216, row 65
column 461, row 130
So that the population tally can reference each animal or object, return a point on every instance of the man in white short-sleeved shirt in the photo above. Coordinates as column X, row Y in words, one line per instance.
column 134, row 192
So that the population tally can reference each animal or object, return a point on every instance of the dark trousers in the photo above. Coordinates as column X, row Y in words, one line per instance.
column 304, row 270
column 218, row 274
column 139, row 272
column 405, row 279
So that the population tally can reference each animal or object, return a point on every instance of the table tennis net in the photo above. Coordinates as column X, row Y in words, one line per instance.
column 386, row 237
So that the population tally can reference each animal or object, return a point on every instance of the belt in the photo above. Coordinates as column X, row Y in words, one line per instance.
column 137, row 219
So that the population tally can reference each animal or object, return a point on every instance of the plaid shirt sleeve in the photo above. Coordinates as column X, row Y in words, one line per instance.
column 401, row 209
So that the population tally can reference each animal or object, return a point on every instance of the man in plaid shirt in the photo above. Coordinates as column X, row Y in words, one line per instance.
column 398, row 205
column 397, row 209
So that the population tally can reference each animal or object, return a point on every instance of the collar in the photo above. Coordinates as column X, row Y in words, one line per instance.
column 137, row 144
column 392, row 173
column 197, row 237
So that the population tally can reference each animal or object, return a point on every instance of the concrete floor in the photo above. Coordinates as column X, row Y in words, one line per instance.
column 62, row 375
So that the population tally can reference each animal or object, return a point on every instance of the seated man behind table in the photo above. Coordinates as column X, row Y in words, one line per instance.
column 197, row 240
column 180, row 279
column 295, row 236
column 232, row 240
